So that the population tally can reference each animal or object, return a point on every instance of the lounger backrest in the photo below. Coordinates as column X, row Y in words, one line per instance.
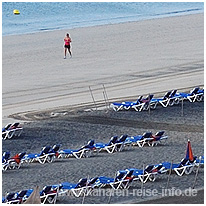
column 160, row 133
column 167, row 94
column 90, row 143
column 93, row 180
column 7, row 126
column 45, row 150
column 22, row 194
column 56, row 147
column 183, row 162
column 120, row 175
column 122, row 138
column 147, row 135
column 151, row 96
column 194, row 91
column 82, row 183
column 113, row 140
column 158, row 167
column 6, row 156
column 139, row 99
column 149, row 168
column 130, row 173
column 15, row 125
column 45, row 190
column 21, row 155
column 10, row 196
column 147, row 97
column 173, row 93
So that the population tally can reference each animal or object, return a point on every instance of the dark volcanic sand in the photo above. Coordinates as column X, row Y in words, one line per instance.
column 76, row 128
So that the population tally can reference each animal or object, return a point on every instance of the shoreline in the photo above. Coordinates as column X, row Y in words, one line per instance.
column 106, row 24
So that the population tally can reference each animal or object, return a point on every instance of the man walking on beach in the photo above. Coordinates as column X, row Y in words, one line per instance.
column 67, row 41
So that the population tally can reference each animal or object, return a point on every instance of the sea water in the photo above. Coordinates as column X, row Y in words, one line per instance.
column 44, row 16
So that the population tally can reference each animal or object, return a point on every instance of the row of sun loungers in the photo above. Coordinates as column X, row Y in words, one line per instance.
column 11, row 130
column 122, row 180
column 48, row 153
column 47, row 195
column 169, row 99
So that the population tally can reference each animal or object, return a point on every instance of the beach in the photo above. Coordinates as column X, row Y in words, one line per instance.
column 51, row 97
column 76, row 128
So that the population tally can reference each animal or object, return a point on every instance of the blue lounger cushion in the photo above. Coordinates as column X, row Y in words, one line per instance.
column 68, row 151
column 105, row 180
column 169, row 165
column 68, row 185
column 30, row 156
column 136, row 172
column 100, row 145
column 134, row 139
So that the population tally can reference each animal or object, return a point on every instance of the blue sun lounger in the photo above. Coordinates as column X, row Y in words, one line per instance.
column 140, row 140
column 179, row 168
column 47, row 154
column 16, row 197
column 157, row 138
column 134, row 139
column 84, row 151
column 174, row 98
column 84, row 186
column 144, row 103
column 9, row 198
column 115, row 144
column 121, row 142
column 121, row 180
column 149, row 173
column 125, row 105
column 11, row 130
column 49, row 194
column 110, row 147
column 164, row 101
column 192, row 96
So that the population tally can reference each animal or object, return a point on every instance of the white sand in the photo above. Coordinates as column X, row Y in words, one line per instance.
column 129, row 59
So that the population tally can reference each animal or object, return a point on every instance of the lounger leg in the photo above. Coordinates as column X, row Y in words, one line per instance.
column 152, row 177
column 40, row 159
column 75, row 155
column 50, row 158
column 135, row 108
column 180, row 171
column 143, row 178
column 77, row 192
column 164, row 103
column 111, row 149
column 188, row 170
